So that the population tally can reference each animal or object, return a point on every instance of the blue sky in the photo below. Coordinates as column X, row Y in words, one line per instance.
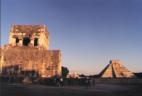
column 88, row 32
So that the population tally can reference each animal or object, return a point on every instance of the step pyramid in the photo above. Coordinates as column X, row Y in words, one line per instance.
column 116, row 70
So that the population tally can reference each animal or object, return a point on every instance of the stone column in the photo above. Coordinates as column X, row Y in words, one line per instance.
column 20, row 42
column 12, row 41
column 32, row 42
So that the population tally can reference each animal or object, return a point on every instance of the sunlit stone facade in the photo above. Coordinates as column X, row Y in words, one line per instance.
column 28, row 49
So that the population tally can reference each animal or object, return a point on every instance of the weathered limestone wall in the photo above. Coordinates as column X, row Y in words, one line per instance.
column 46, row 62
column 44, row 40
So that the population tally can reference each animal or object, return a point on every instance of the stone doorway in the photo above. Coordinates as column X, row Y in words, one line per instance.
column 26, row 41
column 36, row 42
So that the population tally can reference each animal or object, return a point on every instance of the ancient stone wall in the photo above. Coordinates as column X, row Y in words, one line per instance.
column 45, row 62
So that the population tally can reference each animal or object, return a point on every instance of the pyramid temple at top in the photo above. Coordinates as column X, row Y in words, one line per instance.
column 28, row 50
column 116, row 70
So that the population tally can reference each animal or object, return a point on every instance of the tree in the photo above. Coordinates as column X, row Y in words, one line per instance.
column 65, row 71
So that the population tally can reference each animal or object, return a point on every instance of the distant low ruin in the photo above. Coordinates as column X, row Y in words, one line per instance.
column 28, row 50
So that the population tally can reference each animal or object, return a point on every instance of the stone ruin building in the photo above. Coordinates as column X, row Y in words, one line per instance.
column 28, row 50
column 116, row 70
